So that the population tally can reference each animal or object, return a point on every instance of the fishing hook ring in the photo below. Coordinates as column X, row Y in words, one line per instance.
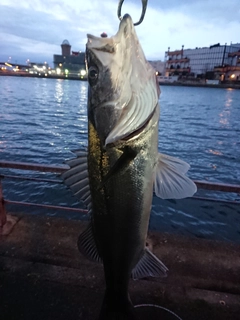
column 144, row 7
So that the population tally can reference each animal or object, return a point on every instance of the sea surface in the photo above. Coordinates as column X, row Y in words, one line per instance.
column 42, row 120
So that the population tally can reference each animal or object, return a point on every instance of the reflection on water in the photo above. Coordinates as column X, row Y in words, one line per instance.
column 215, row 152
column 83, row 91
column 59, row 90
column 228, row 101
column 226, row 112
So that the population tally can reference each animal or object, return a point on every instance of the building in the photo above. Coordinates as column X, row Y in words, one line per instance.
column 38, row 68
column 70, row 63
column 215, row 62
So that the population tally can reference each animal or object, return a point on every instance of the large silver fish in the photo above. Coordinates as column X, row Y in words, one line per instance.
column 116, row 176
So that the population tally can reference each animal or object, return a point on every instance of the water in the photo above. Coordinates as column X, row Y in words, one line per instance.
column 42, row 120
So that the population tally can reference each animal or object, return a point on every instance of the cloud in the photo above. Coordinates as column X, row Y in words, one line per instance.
column 35, row 29
column 21, row 49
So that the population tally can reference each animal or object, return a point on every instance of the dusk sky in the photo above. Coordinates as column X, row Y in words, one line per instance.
column 35, row 29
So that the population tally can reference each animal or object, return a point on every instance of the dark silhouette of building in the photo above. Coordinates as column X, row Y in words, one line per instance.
column 66, row 48
column 70, row 64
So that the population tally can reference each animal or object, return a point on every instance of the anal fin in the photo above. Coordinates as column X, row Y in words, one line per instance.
column 87, row 246
column 149, row 266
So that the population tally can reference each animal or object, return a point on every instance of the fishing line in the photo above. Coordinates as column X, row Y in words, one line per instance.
column 159, row 307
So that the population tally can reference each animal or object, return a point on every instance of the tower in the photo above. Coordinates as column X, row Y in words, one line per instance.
column 66, row 48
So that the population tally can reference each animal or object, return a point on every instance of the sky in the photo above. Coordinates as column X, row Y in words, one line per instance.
column 35, row 29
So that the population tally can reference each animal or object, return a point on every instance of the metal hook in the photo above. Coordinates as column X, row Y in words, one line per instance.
column 144, row 7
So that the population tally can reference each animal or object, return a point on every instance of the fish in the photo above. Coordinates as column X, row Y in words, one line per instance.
column 121, row 168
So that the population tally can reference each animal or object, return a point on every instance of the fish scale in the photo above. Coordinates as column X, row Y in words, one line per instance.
column 121, row 208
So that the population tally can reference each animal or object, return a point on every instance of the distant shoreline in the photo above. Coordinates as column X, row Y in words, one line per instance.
column 203, row 85
column 174, row 84
column 29, row 75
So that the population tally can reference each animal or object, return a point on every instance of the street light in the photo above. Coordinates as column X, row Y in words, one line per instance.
column 83, row 72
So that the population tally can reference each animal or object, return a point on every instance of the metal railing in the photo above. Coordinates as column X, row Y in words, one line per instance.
column 30, row 167
column 60, row 169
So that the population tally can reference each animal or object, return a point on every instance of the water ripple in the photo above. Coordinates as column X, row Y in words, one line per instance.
column 42, row 120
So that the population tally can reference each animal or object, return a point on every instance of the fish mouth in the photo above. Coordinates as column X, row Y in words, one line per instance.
column 126, row 25
column 108, row 45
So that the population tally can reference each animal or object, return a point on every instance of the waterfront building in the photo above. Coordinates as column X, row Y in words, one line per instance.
column 70, row 63
column 215, row 62
column 39, row 68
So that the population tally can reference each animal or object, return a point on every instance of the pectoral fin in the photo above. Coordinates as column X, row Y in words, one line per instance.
column 123, row 161
column 170, row 179
column 149, row 266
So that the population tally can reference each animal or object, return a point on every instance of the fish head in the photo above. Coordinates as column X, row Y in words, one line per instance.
column 122, row 84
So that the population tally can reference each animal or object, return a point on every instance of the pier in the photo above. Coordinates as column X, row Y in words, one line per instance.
column 43, row 276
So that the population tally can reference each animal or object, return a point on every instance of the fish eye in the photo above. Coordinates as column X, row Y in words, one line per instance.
column 92, row 74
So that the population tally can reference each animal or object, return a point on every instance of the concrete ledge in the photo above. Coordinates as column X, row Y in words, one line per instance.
column 43, row 276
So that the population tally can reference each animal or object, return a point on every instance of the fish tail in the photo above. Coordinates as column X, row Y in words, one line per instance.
column 117, row 308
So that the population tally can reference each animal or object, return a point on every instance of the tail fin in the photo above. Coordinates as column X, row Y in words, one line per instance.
column 117, row 308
